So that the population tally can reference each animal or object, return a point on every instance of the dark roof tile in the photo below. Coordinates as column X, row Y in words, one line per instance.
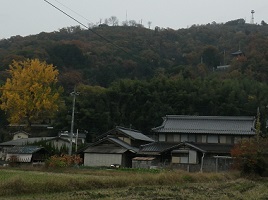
column 207, row 124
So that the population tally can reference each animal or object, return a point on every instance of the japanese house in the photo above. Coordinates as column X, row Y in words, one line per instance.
column 197, row 143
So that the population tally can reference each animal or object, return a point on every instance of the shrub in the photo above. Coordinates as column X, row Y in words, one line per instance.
column 13, row 161
column 63, row 161
column 250, row 156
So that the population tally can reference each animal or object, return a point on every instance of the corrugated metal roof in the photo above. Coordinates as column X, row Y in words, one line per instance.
column 24, row 149
column 207, row 124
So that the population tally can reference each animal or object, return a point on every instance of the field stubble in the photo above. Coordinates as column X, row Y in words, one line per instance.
column 104, row 184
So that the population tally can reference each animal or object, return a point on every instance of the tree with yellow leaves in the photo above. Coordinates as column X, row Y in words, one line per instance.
column 31, row 93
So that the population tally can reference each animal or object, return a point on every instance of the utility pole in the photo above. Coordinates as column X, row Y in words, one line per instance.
column 74, row 94
column 76, row 139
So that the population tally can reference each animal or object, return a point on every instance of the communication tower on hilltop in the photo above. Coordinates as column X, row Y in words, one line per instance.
column 252, row 16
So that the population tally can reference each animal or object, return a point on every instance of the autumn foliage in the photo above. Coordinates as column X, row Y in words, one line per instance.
column 250, row 156
column 30, row 93
column 63, row 161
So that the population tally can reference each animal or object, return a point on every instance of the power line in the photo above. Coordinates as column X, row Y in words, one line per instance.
column 102, row 37
column 73, row 11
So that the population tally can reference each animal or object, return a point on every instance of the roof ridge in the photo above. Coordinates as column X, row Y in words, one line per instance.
column 129, row 129
column 200, row 117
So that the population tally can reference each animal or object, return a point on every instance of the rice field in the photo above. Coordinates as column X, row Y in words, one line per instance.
column 69, row 184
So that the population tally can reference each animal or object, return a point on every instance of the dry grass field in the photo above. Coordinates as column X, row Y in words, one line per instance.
column 70, row 184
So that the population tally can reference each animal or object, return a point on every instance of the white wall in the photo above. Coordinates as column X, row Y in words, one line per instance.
column 96, row 160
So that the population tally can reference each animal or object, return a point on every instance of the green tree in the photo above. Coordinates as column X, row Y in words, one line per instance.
column 31, row 93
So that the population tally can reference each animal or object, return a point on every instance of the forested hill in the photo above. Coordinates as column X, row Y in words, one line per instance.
column 144, row 53
column 134, row 75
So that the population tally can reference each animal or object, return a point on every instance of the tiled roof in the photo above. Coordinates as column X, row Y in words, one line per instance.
column 110, row 150
column 207, row 124
column 24, row 141
column 134, row 134
column 160, row 147
column 121, row 148
column 24, row 149
column 123, row 144
column 156, row 147
column 212, row 148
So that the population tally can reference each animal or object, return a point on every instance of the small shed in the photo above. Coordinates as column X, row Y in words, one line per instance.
column 143, row 162
column 109, row 151
column 27, row 154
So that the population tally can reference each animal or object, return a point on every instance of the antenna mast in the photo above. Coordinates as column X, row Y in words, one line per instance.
column 252, row 16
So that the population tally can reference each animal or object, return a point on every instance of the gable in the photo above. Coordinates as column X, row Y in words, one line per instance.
column 110, row 145
column 124, row 133
column 20, row 135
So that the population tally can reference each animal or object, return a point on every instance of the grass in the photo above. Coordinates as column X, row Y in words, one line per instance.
column 126, row 184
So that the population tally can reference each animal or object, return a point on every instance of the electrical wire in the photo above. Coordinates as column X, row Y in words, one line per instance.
column 102, row 37
column 73, row 11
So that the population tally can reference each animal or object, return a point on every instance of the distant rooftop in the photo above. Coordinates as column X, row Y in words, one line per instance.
column 237, row 125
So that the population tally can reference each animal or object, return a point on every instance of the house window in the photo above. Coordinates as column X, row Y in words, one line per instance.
column 184, row 137
column 180, row 158
column 162, row 138
column 192, row 138
column 177, row 138
column 176, row 159
column 223, row 139
column 213, row 139
column 237, row 139
column 204, row 139
column 184, row 157
column 201, row 138
column 170, row 137
column 229, row 140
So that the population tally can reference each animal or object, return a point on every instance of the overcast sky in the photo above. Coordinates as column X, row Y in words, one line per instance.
column 29, row 17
